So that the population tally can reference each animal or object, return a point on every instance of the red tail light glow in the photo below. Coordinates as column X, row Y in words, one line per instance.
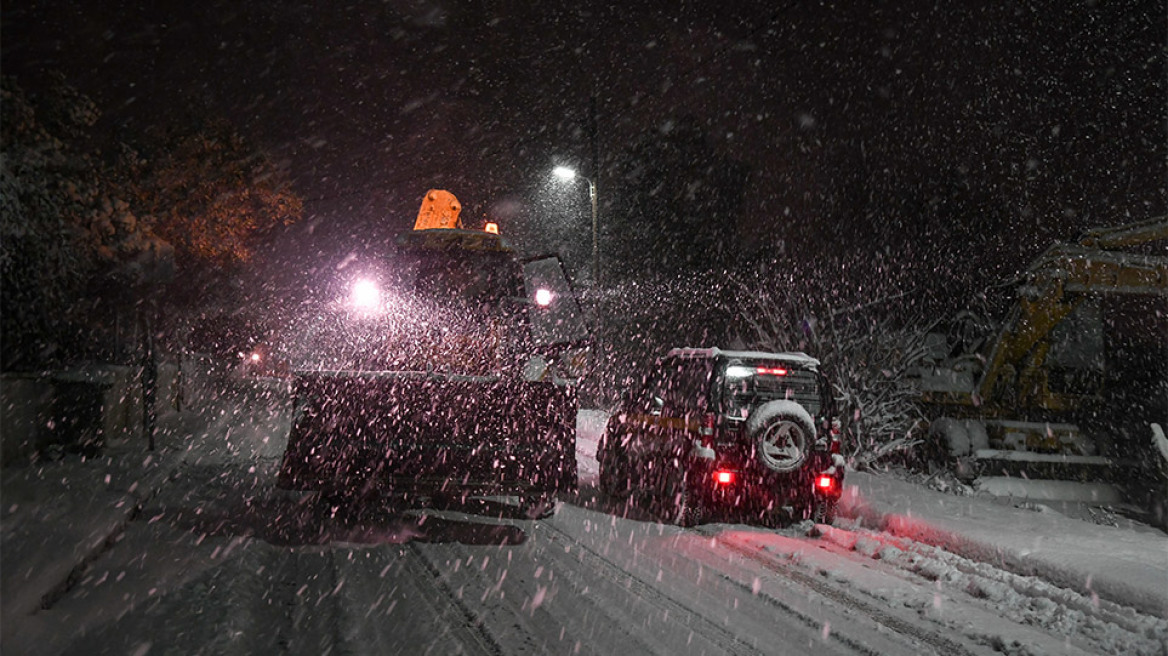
column 724, row 477
column 825, row 482
column 771, row 371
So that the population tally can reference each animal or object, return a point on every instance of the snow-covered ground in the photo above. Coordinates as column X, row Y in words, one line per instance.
column 1053, row 539
column 219, row 562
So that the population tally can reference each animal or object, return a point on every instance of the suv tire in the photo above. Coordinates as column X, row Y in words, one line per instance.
column 615, row 482
column 687, row 507
column 782, row 433
column 823, row 511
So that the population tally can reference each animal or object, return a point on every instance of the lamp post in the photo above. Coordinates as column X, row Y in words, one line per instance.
column 568, row 174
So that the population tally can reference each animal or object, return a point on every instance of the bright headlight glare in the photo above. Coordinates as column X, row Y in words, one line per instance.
column 737, row 372
column 365, row 295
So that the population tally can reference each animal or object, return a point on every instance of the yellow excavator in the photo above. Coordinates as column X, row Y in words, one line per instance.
column 1071, row 398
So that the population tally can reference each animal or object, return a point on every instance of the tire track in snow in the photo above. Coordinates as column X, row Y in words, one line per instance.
column 475, row 625
column 845, row 598
column 690, row 618
column 598, row 581
column 287, row 604
column 349, row 600
column 822, row 619
column 534, row 598
column 475, row 622
column 551, row 595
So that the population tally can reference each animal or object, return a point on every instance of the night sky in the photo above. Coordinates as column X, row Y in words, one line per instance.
column 863, row 125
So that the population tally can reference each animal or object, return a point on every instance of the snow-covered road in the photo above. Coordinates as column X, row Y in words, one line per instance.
column 220, row 562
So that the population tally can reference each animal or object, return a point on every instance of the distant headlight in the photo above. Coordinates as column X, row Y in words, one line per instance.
column 543, row 297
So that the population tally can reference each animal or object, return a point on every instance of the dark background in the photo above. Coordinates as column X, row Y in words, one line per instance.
column 907, row 138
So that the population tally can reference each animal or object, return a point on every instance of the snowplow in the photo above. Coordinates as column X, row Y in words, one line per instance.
column 1067, row 399
column 447, row 369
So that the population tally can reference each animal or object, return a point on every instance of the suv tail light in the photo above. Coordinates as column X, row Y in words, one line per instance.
column 771, row 371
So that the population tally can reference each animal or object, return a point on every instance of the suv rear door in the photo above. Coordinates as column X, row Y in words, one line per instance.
column 749, row 384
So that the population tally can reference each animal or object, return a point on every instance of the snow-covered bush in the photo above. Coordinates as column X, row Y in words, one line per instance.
column 866, row 352
column 869, row 367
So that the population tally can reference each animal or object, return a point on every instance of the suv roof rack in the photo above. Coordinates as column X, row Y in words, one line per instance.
column 794, row 357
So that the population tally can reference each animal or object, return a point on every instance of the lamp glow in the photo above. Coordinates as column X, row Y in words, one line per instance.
column 365, row 296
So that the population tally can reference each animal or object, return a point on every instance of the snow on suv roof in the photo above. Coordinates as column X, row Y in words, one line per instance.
column 794, row 357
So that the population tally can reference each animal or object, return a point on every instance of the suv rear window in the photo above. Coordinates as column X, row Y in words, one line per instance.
column 682, row 385
column 746, row 385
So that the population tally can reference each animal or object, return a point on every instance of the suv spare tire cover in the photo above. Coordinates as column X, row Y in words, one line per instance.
column 782, row 433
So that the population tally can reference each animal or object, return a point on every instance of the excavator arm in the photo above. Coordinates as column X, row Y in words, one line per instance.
column 1056, row 284
column 1129, row 234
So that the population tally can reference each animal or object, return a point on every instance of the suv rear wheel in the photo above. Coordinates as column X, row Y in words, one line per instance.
column 823, row 511
column 615, row 481
column 687, row 509
column 782, row 433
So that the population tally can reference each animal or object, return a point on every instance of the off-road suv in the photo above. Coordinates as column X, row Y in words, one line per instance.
column 728, row 432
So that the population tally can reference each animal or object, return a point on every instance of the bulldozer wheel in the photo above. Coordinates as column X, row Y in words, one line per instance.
column 685, row 508
column 823, row 511
column 950, row 438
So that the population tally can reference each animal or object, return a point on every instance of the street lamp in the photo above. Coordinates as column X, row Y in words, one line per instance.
column 568, row 174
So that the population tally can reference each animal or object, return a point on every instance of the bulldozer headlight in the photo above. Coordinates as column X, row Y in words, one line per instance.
column 365, row 295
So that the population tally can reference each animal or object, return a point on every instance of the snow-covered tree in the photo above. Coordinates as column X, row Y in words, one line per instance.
column 211, row 193
column 867, row 347
column 88, row 228
column 62, row 224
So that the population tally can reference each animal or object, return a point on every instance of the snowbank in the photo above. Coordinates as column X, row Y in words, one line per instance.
column 1126, row 566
